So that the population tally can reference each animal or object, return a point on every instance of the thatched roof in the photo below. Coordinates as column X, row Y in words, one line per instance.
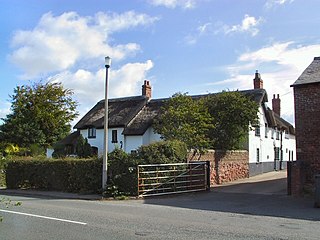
column 120, row 112
column 136, row 114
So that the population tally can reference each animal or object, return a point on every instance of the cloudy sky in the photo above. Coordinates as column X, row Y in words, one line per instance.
column 194, row 46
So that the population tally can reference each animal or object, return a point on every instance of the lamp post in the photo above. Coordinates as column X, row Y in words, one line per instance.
column 105, row 141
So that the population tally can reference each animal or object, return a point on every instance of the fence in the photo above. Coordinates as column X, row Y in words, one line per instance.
column 164, row 179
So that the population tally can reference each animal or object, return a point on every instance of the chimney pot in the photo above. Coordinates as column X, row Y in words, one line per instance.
column 257, row 81
column 146, row 89
column 276, row 104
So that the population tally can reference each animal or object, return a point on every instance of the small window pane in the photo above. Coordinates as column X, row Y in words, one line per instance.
column 114, row 136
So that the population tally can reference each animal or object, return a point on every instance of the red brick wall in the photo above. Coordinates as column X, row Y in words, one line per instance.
column 225, row 166
column 307, row 121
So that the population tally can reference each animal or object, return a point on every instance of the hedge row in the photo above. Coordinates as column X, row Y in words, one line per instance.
column 84, row 176
column 72, row 175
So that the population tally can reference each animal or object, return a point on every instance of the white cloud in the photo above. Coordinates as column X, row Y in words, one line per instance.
column 186, row 4
column 279, row 64
column 4, row 110
column 65, row 49
column 272, row 3
column 58, row 43
column 202, row 30
column 88, row 86
column 249, row 24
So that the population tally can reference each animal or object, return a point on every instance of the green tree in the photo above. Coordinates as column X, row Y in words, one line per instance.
column 218, row 121
column 40, row 114
column 185, row 119
column 232, row 112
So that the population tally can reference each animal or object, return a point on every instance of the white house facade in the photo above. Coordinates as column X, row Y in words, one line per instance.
column 270, row 144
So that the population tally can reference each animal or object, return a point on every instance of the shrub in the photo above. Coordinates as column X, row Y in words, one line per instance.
column 122, row 174
column 122, row 167
column 2, row 167
column 59, row 151
column 36, row 150
column 162, row 152
column 83, row 148
column 70, row 175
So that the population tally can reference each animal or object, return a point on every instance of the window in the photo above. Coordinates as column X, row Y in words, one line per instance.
column 258, row 155
column 266, row 130
column 114, row 137
column 257, row 130
column 289, row 155
column 91, row 132
column 277, row 153
column 277, row 134
column 286, row 135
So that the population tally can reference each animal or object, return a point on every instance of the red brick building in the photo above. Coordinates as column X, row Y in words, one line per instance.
column 307, row 120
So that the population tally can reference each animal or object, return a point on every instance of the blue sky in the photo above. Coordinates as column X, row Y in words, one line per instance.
column 194, row 46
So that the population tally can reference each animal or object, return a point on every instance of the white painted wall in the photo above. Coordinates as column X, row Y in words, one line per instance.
column 150, row 136
column 133, row 142
column 98, row 140
column 267, row 144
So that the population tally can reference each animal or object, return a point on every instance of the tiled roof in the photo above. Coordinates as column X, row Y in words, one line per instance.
column 310, row 75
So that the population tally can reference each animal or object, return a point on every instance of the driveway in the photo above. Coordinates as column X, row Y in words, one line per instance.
column 272, row 183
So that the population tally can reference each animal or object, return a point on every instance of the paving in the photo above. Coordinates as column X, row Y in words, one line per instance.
column 271, row 183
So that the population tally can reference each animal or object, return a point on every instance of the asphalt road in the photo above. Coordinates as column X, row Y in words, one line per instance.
column 216, row 215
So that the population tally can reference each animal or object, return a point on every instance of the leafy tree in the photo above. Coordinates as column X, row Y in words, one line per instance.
column 186, row 120
column 219, row 121
column 40, row 114
column 231, row 113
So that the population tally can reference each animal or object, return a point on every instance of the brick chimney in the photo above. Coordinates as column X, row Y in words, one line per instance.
column 257, row 81
column 276, row 104
column 146, row 89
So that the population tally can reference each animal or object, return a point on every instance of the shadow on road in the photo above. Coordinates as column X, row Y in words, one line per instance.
column 265, row 198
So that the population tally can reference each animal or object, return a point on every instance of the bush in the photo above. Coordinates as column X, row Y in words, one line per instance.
column 69, row 175
column 122, row 174
column 83, row 148
column 85, row 175
column 162, row 152
column 3, row 162
column 122, row 167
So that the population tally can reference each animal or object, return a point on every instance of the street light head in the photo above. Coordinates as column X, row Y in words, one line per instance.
column 107, row 62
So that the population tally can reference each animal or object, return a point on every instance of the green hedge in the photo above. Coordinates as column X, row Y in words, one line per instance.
column 72, row 175
column 162, row 152
column 78, row 175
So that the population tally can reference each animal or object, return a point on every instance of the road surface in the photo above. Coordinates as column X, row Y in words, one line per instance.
column 215, row 215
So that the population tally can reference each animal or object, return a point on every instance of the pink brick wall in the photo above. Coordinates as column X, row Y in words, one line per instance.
column 225, row 166
column 307, row 119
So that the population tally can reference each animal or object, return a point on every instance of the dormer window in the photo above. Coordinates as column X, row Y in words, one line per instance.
column 91, row 132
